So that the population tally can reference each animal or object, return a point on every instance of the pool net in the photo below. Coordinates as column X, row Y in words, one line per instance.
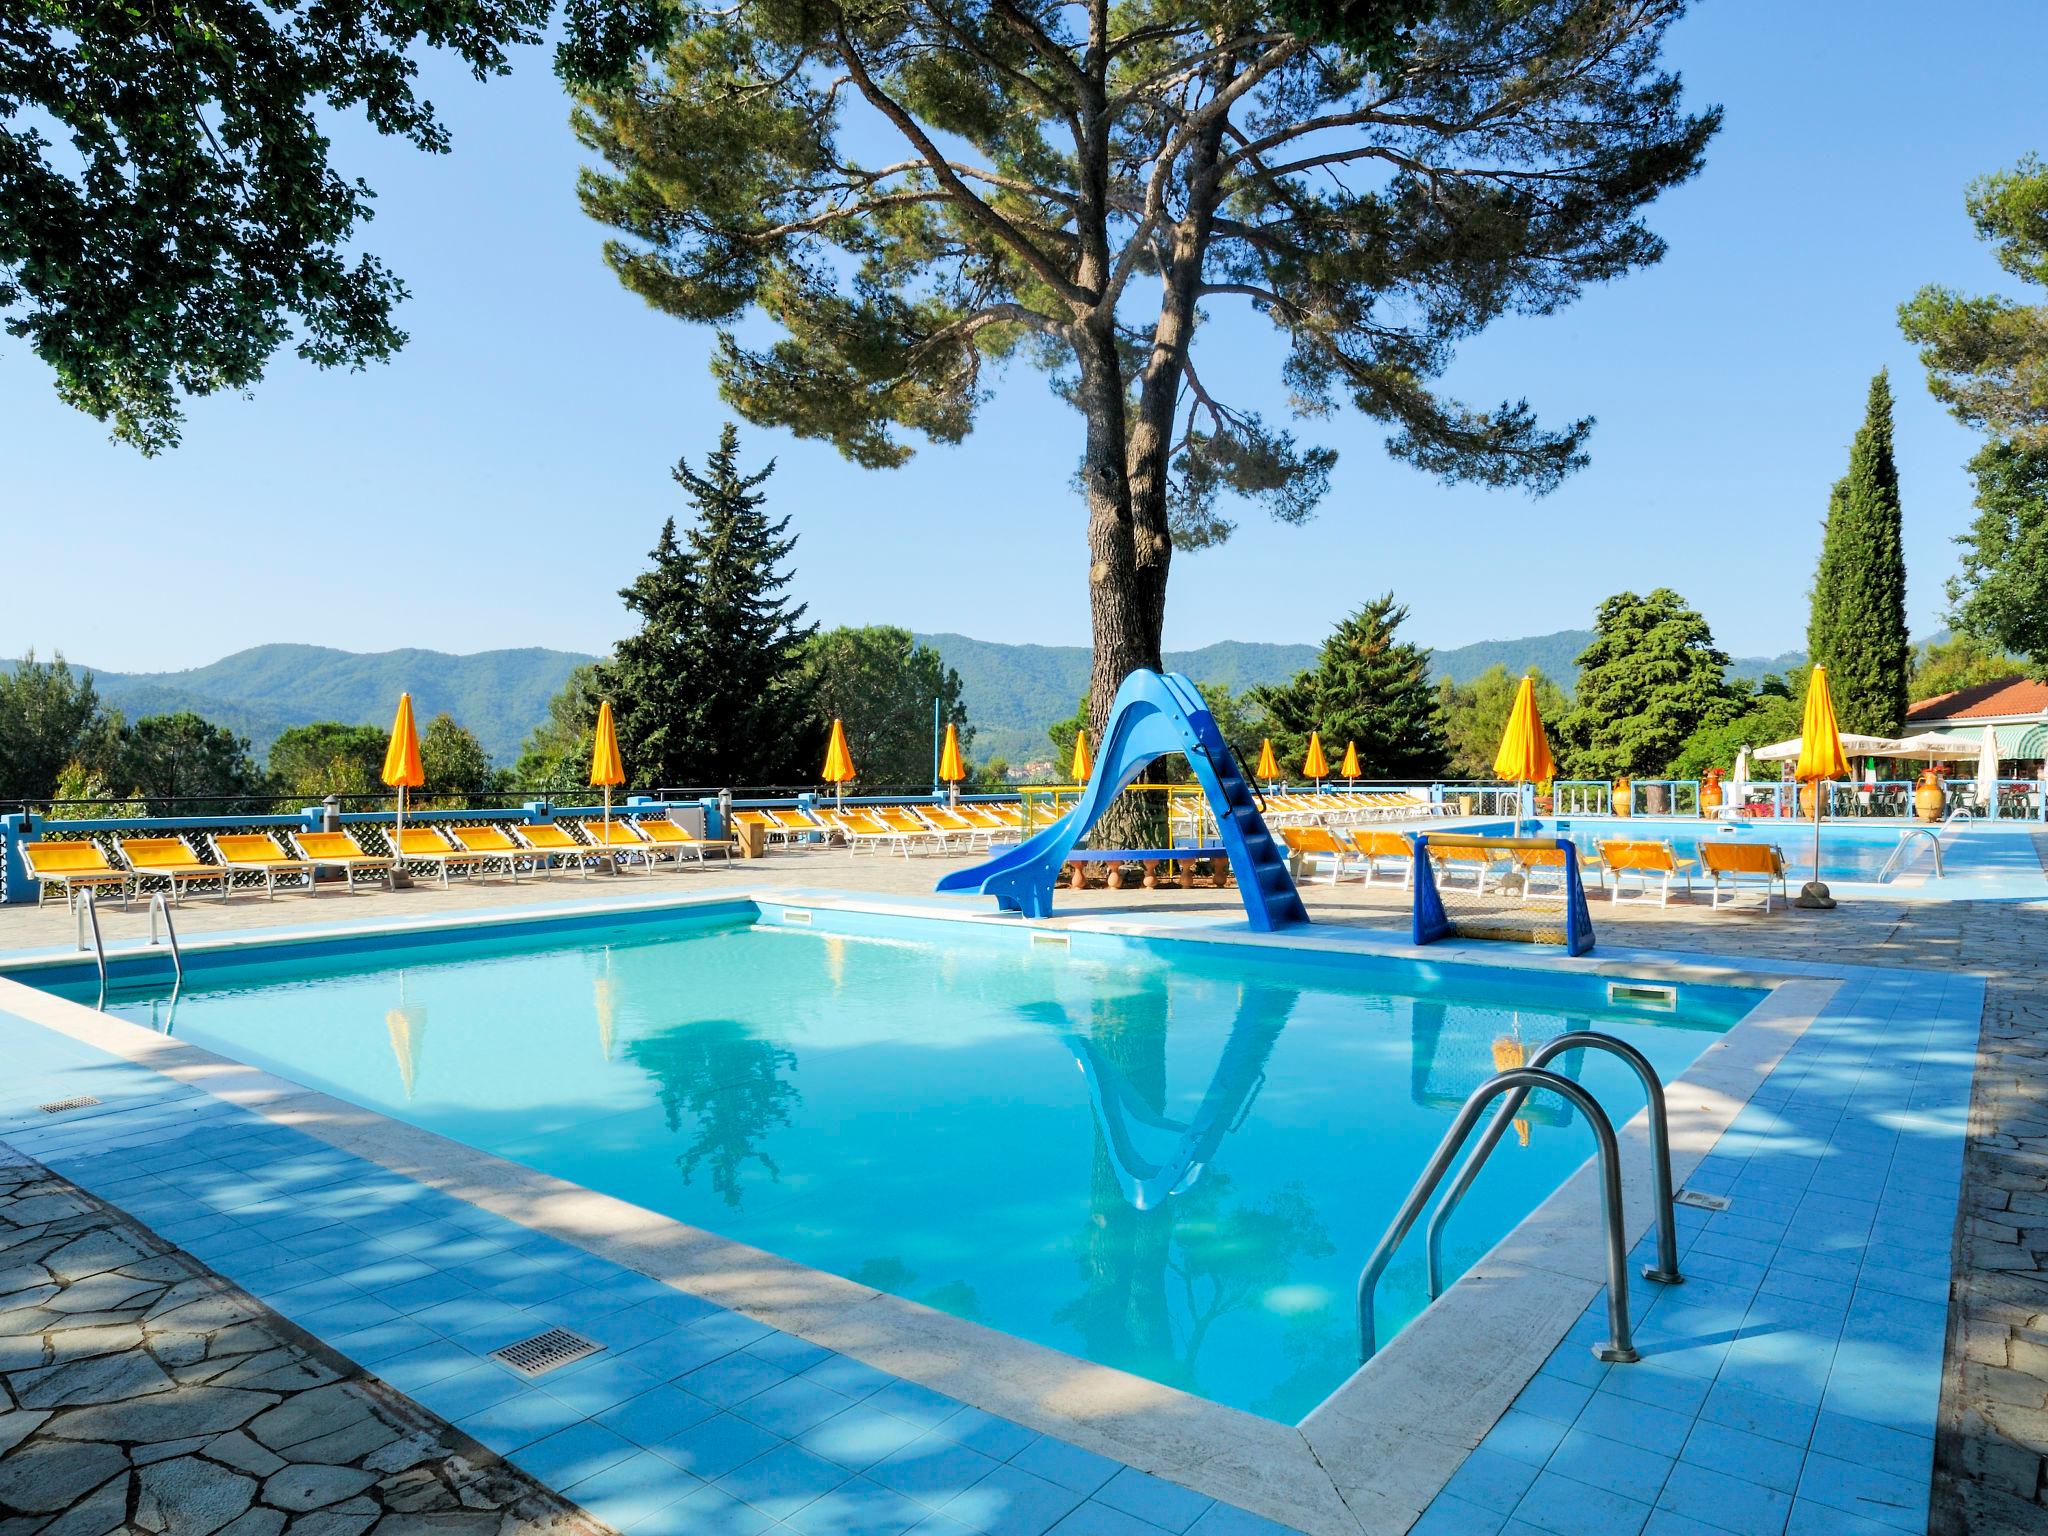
column 1523, row 890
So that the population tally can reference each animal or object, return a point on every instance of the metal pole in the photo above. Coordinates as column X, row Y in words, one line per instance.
column 935, row 744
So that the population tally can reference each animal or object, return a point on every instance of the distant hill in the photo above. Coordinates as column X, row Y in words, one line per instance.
column 1557, row 657
column 1013, row 691
column 259, row 692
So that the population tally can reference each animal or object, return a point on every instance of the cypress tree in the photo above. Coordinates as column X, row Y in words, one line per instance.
column 706, row 689
column 1857, row 627
column 1367, row 687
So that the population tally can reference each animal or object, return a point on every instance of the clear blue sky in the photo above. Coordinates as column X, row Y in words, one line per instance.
column 497, row 483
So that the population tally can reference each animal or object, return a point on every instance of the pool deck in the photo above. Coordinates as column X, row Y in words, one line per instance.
column 1796, row 1383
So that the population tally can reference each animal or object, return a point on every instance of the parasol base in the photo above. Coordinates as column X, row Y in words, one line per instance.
column 401, row 881
column 1814, row 896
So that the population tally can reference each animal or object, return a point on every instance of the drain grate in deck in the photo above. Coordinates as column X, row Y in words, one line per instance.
column 545, row 1351
column 58, row 1106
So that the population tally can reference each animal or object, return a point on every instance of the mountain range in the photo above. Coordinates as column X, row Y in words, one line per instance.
column 1012, row 691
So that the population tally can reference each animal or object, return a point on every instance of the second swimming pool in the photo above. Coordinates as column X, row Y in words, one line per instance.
column 1168, row 1157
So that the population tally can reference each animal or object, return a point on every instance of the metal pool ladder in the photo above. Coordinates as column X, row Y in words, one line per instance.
column 1891, row 865
column 1517, row 1084
column 88, row 925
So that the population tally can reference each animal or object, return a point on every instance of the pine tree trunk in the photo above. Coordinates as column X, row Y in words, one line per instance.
column 1126, row 628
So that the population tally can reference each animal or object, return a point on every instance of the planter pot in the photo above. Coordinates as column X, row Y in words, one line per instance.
column 1928, row 799
column 1711, row 798
column 1622, row 799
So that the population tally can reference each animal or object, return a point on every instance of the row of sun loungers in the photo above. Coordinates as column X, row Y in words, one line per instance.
column 904, row 829
column 1333, row 808
column 177, row 865
column 1634, row 873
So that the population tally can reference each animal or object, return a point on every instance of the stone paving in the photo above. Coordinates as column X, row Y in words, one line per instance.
column 144, row 1394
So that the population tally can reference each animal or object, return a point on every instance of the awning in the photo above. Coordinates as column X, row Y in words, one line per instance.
column 2022, row 740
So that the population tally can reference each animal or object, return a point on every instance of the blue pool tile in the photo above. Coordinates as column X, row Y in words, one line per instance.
column 706, row 1512
column 1627, row 1470
column 1491, row 1481
column 1738, row 1453
column 470, row 1391
column 468, row 1312
column 1898, row 1502
column 520, row 1420
column 631, row 1489
column 861, row 1436
column 1646, row 1382
column 530, row 1287
column 844, row 1374
column 1524, row 1436
column 1758, row 1413
column 425, row 1292
column 1068, row 1465
column 941, row 1525
column 986, row 1433
column 784, row 1480
column 1640, row 1425
column 1811, row 1519
column 788, row 1351
column 1745, row 1508
column 733, row 1379
column 567, row 1457
column 917, row 1405
column 732, row 1329
column 1013, row 1502
column 1665, row 1522
column 1549, row 1398
column 672, row 1355
column 623, row 1330
column 680, row 1308
column 332, row 1316
column 655, row 1416
column 422, row 1367
column 1873, row 1445
column 599, row 1385
column 1153, row 1500
column 1567, row 1508
column 717, row 1445
column 792, row 1406
column 858, row 1508
column 1449, row 1515
column 932, row 1469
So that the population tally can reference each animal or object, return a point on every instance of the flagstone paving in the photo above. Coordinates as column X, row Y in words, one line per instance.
column 143, row 1393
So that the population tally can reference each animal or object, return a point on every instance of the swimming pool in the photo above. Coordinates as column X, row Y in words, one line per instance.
column 1848, row 852
column 1165, row 1156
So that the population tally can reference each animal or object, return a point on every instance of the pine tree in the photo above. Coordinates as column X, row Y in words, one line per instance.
column 1366, row 687
column 1650, row 679
column 705, row 691
column 1857, row 628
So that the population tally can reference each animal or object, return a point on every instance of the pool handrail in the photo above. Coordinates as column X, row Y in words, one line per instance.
column 1619, row 1348
column 1898, row 854
column 1665, row 1270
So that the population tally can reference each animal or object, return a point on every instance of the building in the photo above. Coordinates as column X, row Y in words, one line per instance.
column 2016, row 708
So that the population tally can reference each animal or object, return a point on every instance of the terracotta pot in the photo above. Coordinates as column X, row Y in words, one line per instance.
column 1928, row 799
column 1807, row 794
column 1710, row 793
column 1621, row 798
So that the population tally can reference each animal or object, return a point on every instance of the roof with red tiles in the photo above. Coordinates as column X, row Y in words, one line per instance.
column 2008, row 696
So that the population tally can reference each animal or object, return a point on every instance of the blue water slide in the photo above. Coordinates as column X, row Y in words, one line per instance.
column 1155, row 714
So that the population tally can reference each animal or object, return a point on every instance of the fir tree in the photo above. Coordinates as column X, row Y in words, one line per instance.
column 1650, row 679
column 1366, row 687
column 705, row 691
column 1857, row 628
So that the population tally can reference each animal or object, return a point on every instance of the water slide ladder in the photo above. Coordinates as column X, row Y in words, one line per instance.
column 1156, row 714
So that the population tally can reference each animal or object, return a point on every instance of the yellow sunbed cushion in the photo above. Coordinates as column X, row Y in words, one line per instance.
column 485, row 839
column 159, row 854
column 1742, row 858
column 68, row 858
column 252, row 848
column 334, row 845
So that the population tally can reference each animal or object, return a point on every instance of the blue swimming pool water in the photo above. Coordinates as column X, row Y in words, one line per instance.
column 1852, row 853
column 1167, row 1157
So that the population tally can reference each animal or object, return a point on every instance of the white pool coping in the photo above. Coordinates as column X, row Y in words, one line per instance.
column 1368, row 1459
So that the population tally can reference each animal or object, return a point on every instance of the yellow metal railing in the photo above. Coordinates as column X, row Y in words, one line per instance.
column 1179, row 814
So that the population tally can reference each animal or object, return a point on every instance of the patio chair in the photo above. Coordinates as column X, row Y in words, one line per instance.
column 625, row 844
column 1306, row 843
column 664, row 833
column 1652, row 866
column 495, row 844
column 1732, row 866
column 342, row 849
column 429, row 848
column 552, row 841
column 1374, row 845
column 1543, row 873
column 862, row 830
column 259, row 853
column 72, row 866
column 169, row 859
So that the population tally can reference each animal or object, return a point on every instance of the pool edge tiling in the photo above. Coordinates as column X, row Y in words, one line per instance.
column 1372, row 1458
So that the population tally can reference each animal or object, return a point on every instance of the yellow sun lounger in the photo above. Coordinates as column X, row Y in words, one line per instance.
column 1651, row 865
column 1374, row 845
column 72, row 866
column 553, row 841
column 169, row 860
column 495, row 844
column 1305, row 843
column 1481, row 864
column 861, row 830
column 426, row 846
column 624, row 842
column 259, row 853
column 1734, row 865
column 663, row 833
column 341, row 848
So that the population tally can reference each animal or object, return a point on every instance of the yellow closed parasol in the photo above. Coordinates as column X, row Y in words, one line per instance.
column 1083, row 766
column 402, row 771
column 1315, row 765
column 839, row 770
column 951, row 768
column 1524, row 755
column 1820, row 758
column 606, row 768
column 1348, row 770
column 1269, row 765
